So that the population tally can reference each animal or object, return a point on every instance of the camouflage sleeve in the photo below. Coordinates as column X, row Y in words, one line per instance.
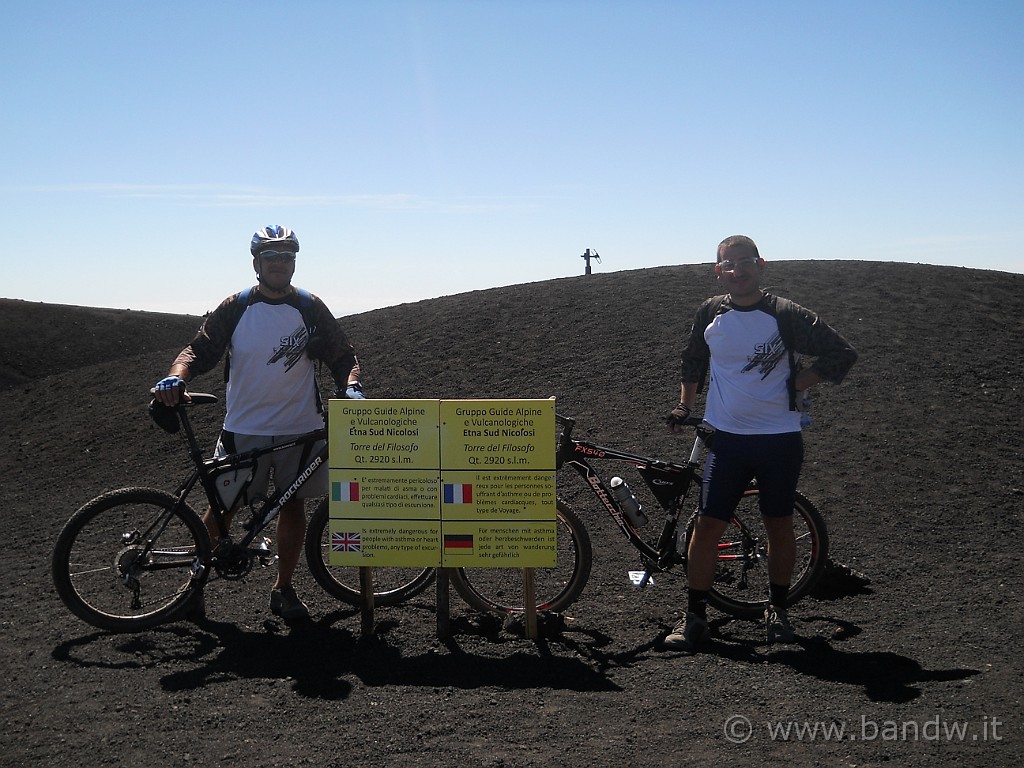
column 333, row 346
column 211, row 340
column 696, row 353
column 834, row 356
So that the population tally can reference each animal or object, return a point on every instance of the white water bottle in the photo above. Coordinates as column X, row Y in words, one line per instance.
column 628, row 502
column 803, row 406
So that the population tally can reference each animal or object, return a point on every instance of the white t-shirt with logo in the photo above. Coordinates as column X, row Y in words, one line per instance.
column 271, row 389
column 748, row 393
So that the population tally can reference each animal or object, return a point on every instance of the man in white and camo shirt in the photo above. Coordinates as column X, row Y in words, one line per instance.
column 750, row 340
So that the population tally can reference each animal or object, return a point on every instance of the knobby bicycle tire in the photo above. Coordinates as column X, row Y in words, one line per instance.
column 128, row 560
column 500, row 590
column 741, row 575
column 391, row 584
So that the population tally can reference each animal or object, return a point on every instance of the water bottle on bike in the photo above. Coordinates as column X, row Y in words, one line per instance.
column 628, row 503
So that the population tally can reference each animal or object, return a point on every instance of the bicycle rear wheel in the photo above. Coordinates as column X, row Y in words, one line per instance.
column 500, row 590
column 391, row 585
column 741, row 576
column 130, row 559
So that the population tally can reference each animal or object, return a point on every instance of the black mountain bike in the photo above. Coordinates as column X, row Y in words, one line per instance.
column 137, row 557
column 741, row 579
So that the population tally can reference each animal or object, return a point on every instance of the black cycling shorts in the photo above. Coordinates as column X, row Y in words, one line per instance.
column 774, row 461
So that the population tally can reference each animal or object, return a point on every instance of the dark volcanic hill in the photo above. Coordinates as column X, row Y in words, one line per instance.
column 916, row 461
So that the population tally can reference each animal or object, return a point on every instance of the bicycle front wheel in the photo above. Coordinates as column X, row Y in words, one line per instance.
column 130, row 559
column 741, row 576
column 391, row 585
column 500, row 590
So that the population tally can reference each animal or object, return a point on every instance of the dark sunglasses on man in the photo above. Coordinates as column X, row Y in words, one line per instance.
column 285, row 257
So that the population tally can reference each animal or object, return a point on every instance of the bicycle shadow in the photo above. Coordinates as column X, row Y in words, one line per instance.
column 207, row 652
column 316, row 656
column 836, row 582
column 884, row 676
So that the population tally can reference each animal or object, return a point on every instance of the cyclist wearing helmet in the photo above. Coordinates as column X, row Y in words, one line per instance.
column 272, row 334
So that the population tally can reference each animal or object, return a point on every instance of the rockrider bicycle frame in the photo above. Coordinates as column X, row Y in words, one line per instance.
column 135, row 557
column 206, row 471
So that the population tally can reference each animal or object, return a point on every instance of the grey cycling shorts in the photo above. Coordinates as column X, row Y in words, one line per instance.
column 281, row 467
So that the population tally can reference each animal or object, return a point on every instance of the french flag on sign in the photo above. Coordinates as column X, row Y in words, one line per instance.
column 458, row 493
column 344, row 491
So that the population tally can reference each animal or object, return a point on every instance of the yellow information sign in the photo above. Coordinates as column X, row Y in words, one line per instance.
column 384, row 434
column 455, row 483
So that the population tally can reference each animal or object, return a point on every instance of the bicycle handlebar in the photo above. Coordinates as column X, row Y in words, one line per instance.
column 564, row 438
column 567, row 422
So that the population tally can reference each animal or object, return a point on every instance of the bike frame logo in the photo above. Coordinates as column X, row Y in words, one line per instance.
column 595, row 483
column 300, row 480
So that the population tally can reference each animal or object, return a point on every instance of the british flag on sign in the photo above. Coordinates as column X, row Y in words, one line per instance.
column 345, row 542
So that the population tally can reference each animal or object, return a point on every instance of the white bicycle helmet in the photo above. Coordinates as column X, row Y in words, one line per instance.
column 274, row 238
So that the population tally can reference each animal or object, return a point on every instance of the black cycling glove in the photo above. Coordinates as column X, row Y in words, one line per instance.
column 677, row 416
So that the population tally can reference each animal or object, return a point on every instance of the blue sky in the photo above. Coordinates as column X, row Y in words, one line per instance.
column 422, row 149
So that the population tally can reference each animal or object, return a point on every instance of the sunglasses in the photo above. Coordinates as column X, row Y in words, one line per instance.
column 732, row 266
column 285, row 257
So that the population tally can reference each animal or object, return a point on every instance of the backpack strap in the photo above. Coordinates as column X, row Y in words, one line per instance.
column 306, row 308
column 241, row 304
column 712, row 308
column 782, row 311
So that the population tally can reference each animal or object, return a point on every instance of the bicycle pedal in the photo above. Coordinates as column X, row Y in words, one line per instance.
column 263, row 552
column 641, row 579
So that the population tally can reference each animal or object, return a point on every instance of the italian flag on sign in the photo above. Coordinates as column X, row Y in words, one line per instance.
column 344, row 491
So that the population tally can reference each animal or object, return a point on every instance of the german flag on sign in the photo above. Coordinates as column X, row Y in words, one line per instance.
column 458, row 543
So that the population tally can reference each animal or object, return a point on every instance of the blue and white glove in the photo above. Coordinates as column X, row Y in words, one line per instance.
column 169, row 383
column 355, row 391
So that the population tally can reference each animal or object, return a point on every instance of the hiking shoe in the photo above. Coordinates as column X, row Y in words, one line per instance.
column 777, row 626
column 688, row 633
column 286, row 604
